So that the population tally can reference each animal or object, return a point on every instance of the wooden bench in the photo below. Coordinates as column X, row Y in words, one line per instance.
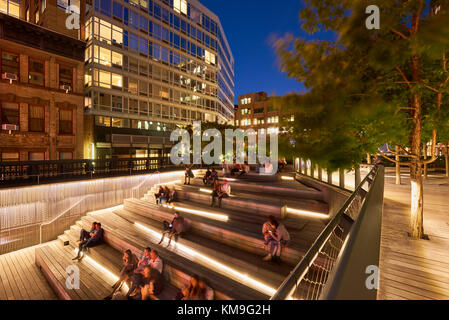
column 122, row 234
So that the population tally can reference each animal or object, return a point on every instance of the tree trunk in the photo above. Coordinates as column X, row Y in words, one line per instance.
column 446, row 160
column 425, row 158
column 417, row 201
column 398, row 166
column 368, row 158
column 417, row 197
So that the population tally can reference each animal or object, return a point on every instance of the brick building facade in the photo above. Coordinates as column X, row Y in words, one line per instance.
column 41, row 93
column 256, row 111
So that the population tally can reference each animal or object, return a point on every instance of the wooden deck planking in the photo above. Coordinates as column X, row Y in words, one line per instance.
column 21, row 279
column 414, row 269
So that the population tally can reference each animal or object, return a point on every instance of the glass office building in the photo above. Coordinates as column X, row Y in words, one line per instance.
column 152, row 66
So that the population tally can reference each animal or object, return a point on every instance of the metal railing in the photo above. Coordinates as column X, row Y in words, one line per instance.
column 310, row 276
column 16, row 173
column 60, row 215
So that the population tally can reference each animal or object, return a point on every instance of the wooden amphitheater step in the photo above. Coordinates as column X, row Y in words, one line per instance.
column 227, row 233
column 293, row 190
column 54, row 258
column 111, row 258
column 240, row 259
column 257, row 207
column 94, row 283
column 257, row 202
column 178, row 266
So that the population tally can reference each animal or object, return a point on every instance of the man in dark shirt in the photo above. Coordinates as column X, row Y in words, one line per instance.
column 96, row 237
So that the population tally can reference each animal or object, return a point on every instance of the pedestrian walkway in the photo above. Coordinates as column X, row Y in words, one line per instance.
column 414, row 269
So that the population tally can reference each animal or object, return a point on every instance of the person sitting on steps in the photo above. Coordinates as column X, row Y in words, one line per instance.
column 130, row 262
column 206, row 178
column 223, row 192
column 96, row 238
column 84, row 235
column 213, row 176
column 137, row 274
column 188, row 174
column 171, row 195
column 158, row 194
column 174, row 228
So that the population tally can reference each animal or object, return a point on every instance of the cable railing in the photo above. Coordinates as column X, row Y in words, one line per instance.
column 309, row 278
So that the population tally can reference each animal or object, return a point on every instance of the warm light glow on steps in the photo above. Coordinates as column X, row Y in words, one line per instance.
column 210, row 215
column 214, row 264
column 307, row 213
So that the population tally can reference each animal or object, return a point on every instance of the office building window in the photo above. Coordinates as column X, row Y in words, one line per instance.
column 117, row 10
column 180, row 6
column 117, row 59
column 65, row 155
column 258, row 110
column 246, row 111
column 36, row 119
column 36, row 156
column 10, row 7
column 65, row 121
column 116, row 80
column 10, row 63
column 36, row 74
column 9, row 156
column 65, row 76
column 10, row 113
column 245, row 101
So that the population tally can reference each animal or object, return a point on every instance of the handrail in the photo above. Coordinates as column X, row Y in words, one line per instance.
column 61, row 214
column 289, row 284
column 145, row 180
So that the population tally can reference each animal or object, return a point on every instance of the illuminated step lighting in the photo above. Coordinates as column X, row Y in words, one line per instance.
column 287, row 178
column 103, row 270
column 307, row 213
column 206, row 190
column 227, row 179
column 215, row 265
column 210, row 215
column 106, row 210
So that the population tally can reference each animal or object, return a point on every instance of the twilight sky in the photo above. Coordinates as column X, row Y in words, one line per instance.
column 249, row 25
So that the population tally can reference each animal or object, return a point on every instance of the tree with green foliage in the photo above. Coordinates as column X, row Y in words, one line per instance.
column 370, row 88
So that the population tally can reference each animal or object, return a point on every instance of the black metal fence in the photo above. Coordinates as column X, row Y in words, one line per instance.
column 19, row 173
